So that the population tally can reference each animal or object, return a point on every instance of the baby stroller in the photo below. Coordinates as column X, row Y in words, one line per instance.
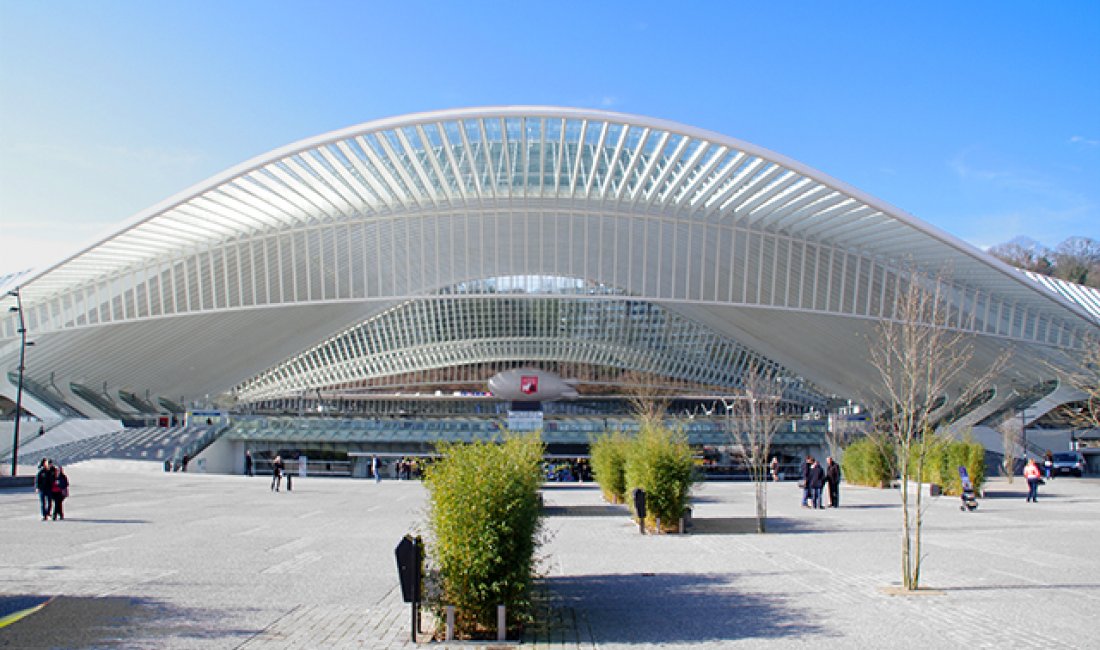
column 969, row 503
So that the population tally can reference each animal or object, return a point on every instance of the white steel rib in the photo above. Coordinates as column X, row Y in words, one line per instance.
column 236, row 276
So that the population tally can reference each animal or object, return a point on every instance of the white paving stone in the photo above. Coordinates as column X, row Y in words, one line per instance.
column 226, row 563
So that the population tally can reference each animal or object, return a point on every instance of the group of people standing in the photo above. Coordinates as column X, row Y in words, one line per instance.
column 408, row 469
column 52, row 486
column 814, row 480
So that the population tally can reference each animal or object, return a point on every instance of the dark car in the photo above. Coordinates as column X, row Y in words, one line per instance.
column 1068, row 462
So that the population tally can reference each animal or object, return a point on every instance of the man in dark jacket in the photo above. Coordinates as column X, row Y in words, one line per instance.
column 43, row 483
column 804, row 471
column 815, row 481
column 832, row 478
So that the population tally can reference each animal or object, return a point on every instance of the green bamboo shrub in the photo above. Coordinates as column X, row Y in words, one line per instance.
column 609, row 453
column 973, row 457
column 943, row 456
column 935, row 468
column 867, row 462
column 661, row 463
column 484, row 520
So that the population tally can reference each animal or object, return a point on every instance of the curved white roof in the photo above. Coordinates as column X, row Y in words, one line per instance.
column 241, row 272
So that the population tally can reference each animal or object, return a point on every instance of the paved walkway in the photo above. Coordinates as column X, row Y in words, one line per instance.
column 153, row 560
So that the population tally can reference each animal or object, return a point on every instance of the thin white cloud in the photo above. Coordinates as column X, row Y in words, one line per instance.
column 97, row 156
column 1082, row 140
column 35, row 252
column 158, row 157
column 1030, row 203
column 57, row 227
column 1018, row 180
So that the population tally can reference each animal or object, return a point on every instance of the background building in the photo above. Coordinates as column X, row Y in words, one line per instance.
column 392, row 268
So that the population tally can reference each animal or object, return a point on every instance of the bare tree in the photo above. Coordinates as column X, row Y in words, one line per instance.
column 752, row 419
column 648, row 400
column 1077, row 260
column 920, row 358
column 1085, row 377
column 1010, row 433
column 840, row 432
column 1031, row 258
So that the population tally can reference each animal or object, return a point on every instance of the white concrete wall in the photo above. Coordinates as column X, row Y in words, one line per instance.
column 222, row 457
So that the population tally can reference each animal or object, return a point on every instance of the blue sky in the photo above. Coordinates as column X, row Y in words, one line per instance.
column 981, row 118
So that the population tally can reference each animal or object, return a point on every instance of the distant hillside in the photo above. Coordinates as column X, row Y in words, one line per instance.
column 1076, row 260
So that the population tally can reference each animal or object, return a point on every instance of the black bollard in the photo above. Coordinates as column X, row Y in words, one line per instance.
column 639, row 508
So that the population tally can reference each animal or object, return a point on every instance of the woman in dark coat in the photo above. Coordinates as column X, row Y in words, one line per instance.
column 815, row 481
column 59, row 492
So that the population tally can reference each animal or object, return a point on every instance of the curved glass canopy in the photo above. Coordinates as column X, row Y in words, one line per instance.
column 502, row 322
column 225, row 284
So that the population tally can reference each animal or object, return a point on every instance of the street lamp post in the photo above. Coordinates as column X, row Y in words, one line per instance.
column 1023, row 431
column 19, row 389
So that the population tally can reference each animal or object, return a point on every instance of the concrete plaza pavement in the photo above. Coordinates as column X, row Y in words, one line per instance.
column 153, row 560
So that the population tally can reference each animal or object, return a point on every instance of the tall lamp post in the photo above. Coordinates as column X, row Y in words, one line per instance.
column 19, row 389
column 1023, row 430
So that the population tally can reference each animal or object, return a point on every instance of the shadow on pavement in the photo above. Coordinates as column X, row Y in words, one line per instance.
column 1023, row 587
column 655, row 609
column 1008, row 494
column 13, row 604
column 81, row 520
column 586, row 511
column 113, row 621
column 747, row 526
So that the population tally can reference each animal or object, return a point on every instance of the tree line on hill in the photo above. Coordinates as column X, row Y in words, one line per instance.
column 1076, row 259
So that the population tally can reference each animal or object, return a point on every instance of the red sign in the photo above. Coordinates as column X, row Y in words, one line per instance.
column 529, row 384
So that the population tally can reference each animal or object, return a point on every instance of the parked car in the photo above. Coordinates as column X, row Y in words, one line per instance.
column 1068, row 462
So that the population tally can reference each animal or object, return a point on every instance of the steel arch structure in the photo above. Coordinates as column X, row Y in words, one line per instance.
column 220, row 284
column 438, row 333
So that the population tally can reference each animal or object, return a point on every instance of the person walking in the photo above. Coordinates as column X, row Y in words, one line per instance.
column 43, row 484
column 247, row 463
column 815, row 481
column 1031, row 473
column 374, row 469
column 59, row 491
column 774, row 467
column 1048, row 465
column 276, row 473
column 804, row 471
column 832, row 479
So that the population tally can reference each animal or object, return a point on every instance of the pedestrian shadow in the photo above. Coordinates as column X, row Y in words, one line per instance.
column 676, row 608
column 81, row 520
column 1024, row 587
column 747, row 526
column 586, row 511
column 1005, row 494
column 993, row 495
column 698, row 498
